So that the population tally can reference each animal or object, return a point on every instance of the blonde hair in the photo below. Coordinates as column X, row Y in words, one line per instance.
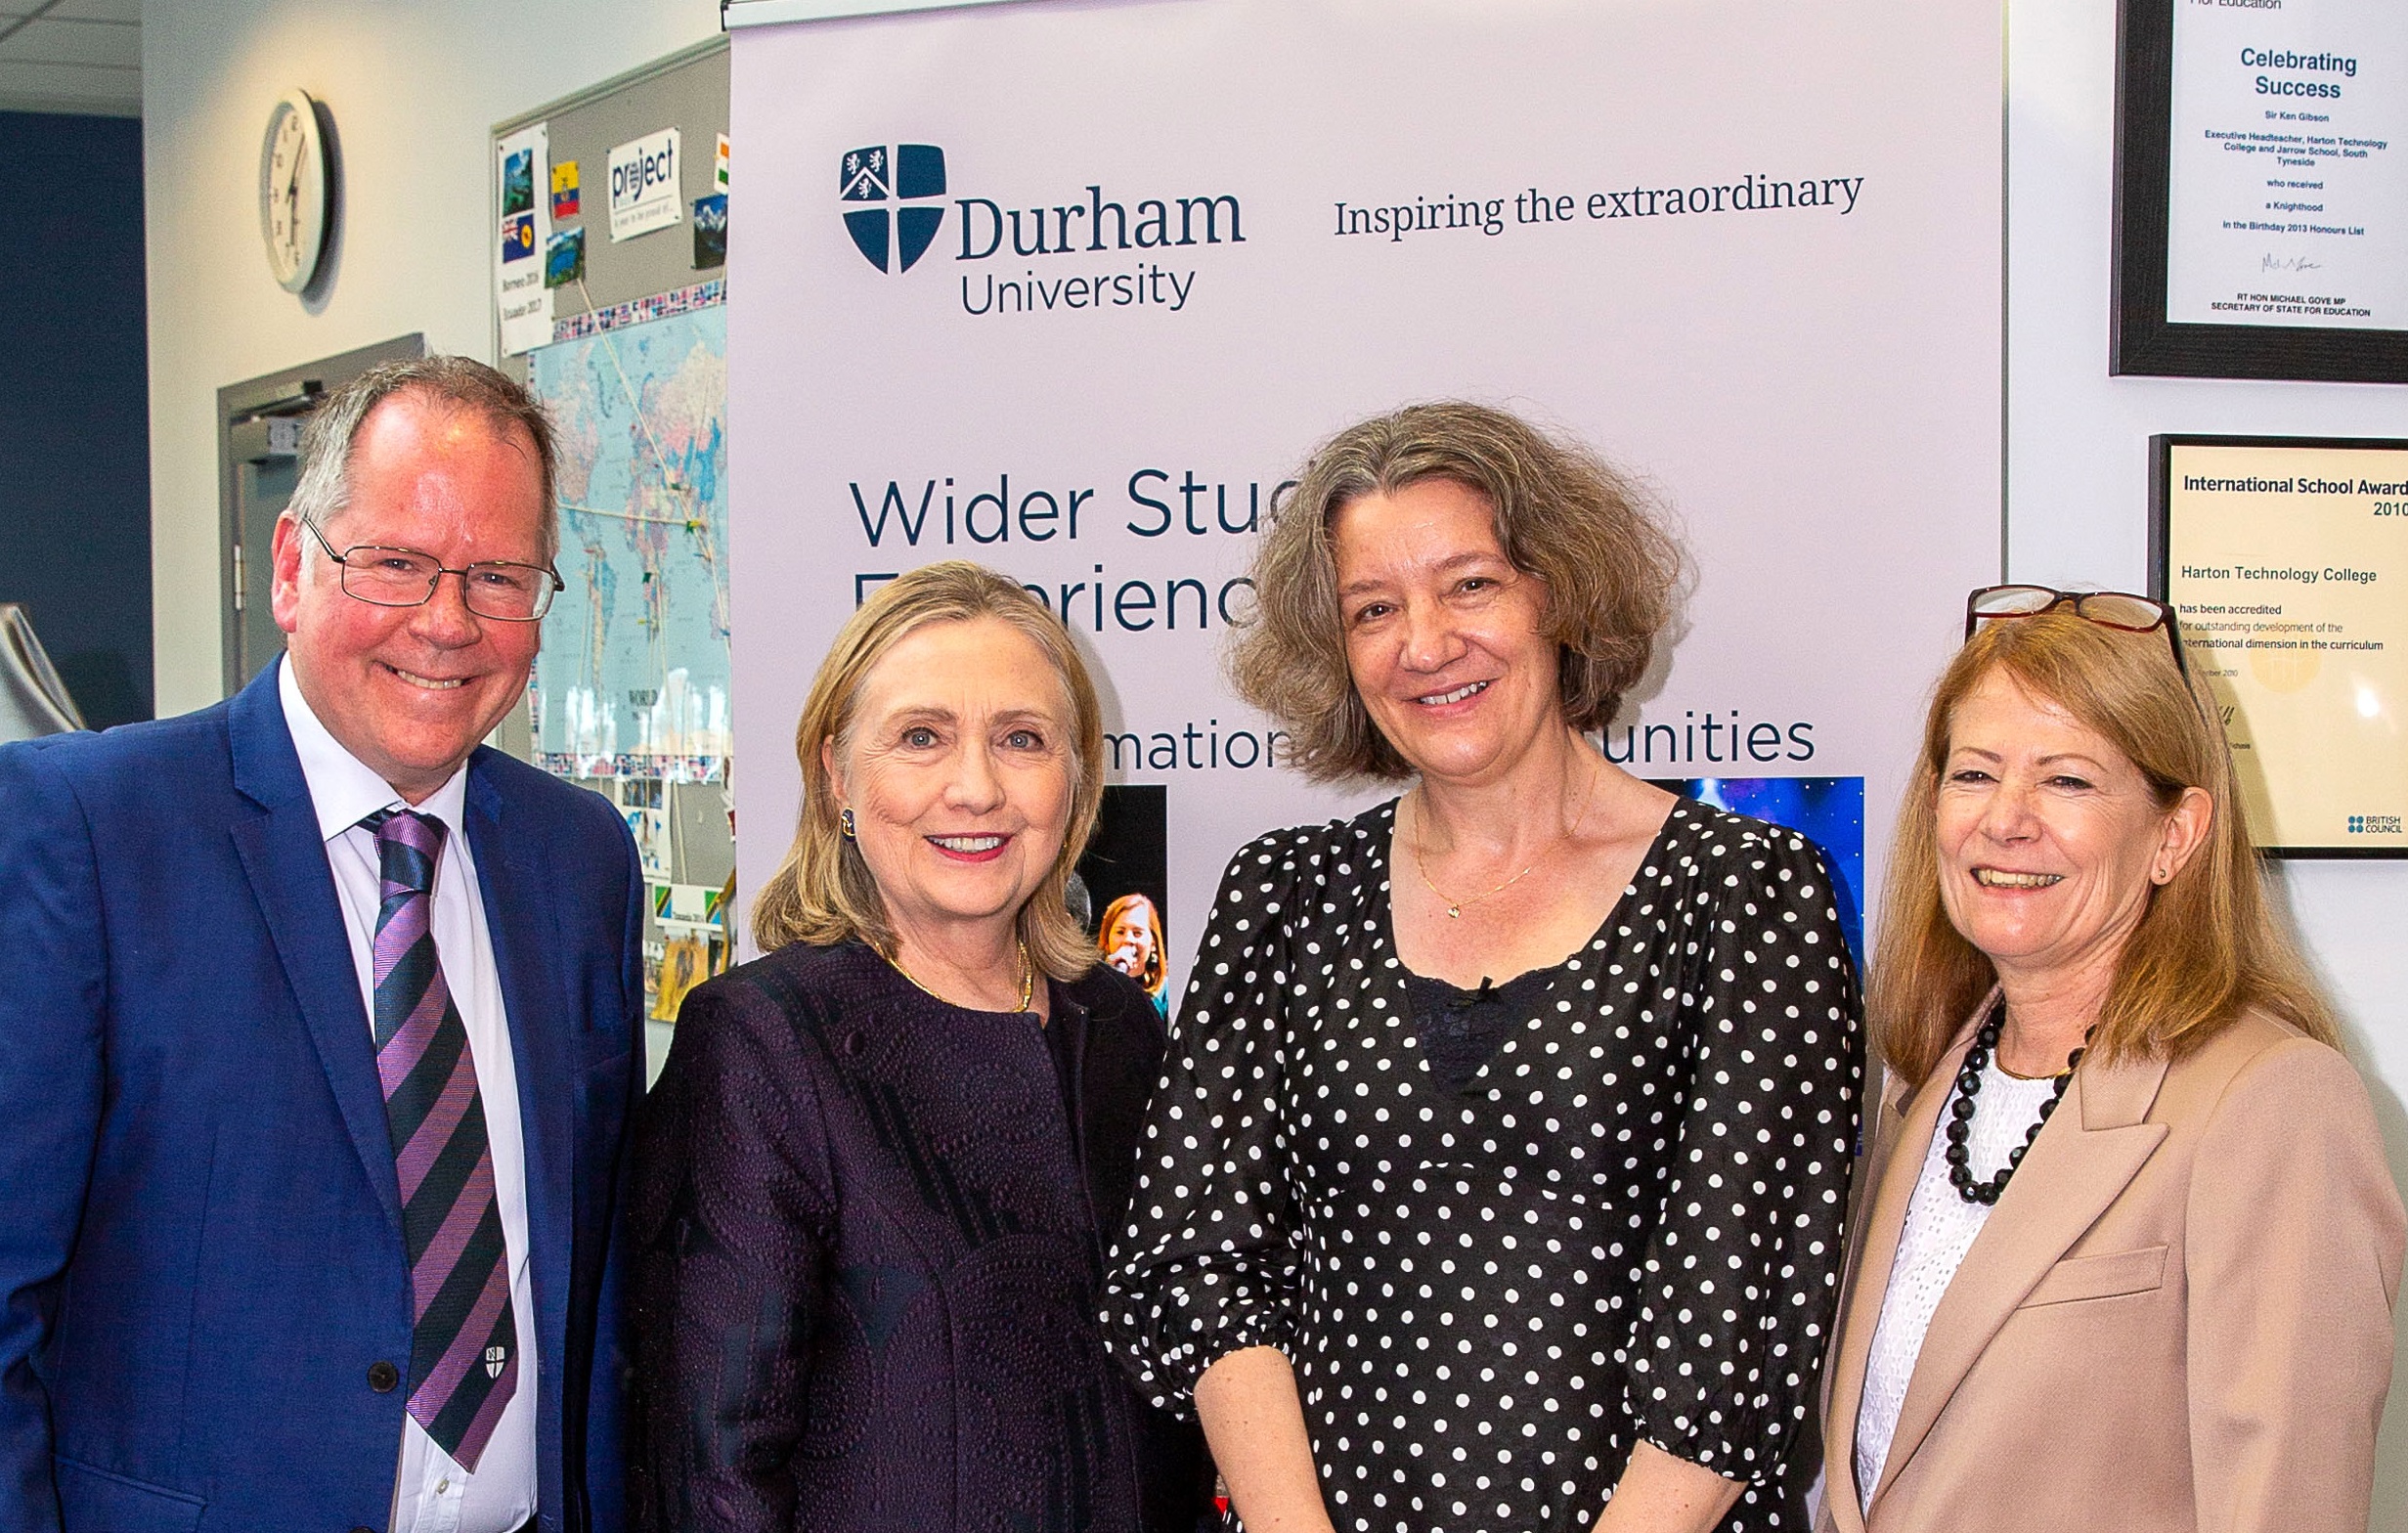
column 1562, row 514
column 822, row 892
column 2207, row 948
column 1153, row 975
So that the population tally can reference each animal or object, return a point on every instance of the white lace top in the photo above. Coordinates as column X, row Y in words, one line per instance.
column 1940, row 1229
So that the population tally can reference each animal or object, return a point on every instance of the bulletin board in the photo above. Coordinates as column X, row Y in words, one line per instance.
column 609, row 220
column 687, row 91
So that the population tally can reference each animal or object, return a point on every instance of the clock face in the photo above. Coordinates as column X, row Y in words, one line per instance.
column 293, row 192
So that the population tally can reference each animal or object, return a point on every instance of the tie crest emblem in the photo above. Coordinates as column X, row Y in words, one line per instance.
column 494, row 1358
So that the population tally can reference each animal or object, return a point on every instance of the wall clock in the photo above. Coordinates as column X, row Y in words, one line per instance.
column 296, row 191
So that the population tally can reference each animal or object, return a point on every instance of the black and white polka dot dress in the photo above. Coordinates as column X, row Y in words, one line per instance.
column 1626, row 1225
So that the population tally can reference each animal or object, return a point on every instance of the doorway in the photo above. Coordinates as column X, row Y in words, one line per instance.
column 259, row 424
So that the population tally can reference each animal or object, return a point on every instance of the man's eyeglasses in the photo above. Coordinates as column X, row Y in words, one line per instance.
column 493, row 588
column 2116, row 609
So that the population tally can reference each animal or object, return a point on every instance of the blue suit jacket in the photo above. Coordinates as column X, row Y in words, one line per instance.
column 201, row 1252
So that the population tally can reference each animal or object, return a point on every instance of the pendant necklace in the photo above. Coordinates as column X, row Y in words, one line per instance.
column 1455, row 907
column 1028, row 981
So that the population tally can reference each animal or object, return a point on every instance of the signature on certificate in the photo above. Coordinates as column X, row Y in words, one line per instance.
column 2289, row 263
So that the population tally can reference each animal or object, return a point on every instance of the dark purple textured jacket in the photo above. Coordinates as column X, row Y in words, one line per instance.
column 868, row 1240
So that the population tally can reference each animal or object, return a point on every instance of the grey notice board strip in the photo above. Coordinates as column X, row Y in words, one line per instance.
column 664, row 65
column 687, row 90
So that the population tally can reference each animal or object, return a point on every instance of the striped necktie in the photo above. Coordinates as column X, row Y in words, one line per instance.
column 463, row 1344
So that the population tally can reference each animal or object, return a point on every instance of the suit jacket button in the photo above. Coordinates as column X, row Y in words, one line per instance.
column 382, row 1376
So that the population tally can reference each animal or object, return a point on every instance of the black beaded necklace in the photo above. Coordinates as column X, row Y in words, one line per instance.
column 1961, row 1122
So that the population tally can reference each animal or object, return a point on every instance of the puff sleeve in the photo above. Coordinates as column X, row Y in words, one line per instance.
column 1737, row 1285
column 1209, row 1263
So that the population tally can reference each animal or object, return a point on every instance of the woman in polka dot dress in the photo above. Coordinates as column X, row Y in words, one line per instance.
column 1496, row 1177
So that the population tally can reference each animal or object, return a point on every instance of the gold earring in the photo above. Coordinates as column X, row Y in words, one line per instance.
column 844, row 823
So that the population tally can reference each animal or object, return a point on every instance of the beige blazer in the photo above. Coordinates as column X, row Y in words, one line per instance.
column 2177, row 1317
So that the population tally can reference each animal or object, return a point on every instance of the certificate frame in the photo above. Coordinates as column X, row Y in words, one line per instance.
column 2142, row 341
column 2166, row 547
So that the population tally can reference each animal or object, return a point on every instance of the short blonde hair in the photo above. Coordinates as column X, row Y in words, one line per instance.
column 2208, row 948
column 1564, row 514
column 822, row 892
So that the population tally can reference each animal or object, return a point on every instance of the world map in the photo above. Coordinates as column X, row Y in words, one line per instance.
column 632, row 680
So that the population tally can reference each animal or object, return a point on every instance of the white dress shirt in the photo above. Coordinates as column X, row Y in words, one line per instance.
column 1941, row 1226
column 434, row 1494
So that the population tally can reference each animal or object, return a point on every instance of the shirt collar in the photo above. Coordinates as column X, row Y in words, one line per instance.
column 342, row 789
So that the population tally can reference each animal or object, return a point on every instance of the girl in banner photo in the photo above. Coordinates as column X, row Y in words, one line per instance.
column 1502, row 1154
column 1130, row 938
column 2131, row 1258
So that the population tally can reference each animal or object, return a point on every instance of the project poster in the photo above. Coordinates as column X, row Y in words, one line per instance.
column 2288, row 563
column 2288, row 186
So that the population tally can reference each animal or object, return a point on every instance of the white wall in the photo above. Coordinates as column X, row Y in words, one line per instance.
column 2078, row 483
column 414, row 89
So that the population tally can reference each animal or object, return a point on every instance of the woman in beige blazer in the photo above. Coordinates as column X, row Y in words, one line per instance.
column 2130, row 1260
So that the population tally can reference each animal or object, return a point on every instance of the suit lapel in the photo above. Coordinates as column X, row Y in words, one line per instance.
column 2093, row 1146
column 1909, row 1124
column 285, row 859
column 1075, row 1025
column 522, row 920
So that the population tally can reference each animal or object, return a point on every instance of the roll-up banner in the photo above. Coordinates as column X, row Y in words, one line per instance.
column 1070, row 288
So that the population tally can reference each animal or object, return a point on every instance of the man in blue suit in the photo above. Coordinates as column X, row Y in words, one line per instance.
column 319, row 1039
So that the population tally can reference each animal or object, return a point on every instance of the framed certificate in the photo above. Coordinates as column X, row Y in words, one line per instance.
column 2262, row 190
column 2287, row 560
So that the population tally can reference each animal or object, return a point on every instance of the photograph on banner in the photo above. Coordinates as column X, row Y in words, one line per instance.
column 1122, row 892
column 1088, row 346
column 1829, row 812
column 2285, row 561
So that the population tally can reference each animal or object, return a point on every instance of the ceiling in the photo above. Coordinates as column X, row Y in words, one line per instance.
column 82, row 56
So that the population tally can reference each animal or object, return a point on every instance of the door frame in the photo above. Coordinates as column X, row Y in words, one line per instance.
column 288, row 394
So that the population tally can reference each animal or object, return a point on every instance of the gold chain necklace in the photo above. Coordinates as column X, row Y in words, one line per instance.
column 1455, row 907
column 1028, row 981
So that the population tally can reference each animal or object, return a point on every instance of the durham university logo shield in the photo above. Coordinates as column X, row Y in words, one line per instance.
column 907, row 173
